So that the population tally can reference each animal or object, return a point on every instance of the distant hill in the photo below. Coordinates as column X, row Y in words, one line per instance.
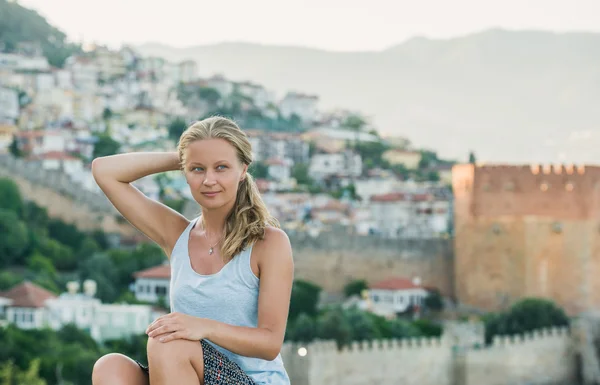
column 22, row 25
column 511, row 96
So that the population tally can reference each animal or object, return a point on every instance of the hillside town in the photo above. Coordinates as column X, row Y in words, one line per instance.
column 463, row 272
column 319, row 166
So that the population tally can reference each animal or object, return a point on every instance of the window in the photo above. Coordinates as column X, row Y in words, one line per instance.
column 160, row 290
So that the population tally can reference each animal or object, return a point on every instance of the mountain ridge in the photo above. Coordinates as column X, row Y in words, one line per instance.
column 510, row 96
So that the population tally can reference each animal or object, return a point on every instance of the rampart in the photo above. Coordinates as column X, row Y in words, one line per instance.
column 336, row 257
column 62, row 198
column 544, row 357
column 330, row 260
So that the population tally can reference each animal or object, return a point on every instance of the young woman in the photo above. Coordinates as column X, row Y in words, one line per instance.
column 231, row 268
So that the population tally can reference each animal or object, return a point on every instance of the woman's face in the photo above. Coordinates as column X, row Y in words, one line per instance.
column 213, row 172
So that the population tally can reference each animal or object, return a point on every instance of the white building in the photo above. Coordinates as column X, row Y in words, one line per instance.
column 40, row 142
column 16, row 62
column 222, row 85
column 395, row 296
column 367, row 187
column 259, row 94
column 29, row 306
column 188, row 71
column 279, row 169
column 410, row 215
column 55, row 160
column 63, row 79
column 153, row 283
column 24, row 305
column 345, row 164
column 304, row 106
column 9, row 105
column 84, row 73
column 110, row 64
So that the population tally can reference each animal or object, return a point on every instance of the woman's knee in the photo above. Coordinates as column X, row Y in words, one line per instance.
column 109, row 368
column 180, row 350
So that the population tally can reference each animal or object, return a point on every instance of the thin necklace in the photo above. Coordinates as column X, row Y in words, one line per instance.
column 211, row 249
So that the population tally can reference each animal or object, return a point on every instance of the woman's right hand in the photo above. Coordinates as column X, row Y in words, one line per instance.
column 114, row 175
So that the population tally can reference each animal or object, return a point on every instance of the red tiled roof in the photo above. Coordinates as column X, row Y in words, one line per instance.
column 399, row 196
column 35, row 133
column 395, row 284
column 275, row 162
column 332, row 205
column 53, row 155
column 28, row 294
column 161, row 271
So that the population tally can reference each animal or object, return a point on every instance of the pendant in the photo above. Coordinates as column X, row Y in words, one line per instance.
column 210, row 251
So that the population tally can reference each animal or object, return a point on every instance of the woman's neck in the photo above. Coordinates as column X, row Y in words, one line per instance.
column 213, row 222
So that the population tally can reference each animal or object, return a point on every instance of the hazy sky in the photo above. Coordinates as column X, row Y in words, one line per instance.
column 330, row 24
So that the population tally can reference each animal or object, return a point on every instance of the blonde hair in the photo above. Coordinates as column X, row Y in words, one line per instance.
column 246, row 222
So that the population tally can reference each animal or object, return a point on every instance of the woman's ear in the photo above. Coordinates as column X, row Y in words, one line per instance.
column 244, row 172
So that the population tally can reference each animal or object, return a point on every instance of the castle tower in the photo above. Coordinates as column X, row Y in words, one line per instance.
column 525, row 231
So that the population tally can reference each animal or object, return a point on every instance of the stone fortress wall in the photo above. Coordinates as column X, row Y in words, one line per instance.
column 331, row 259
column 63, row 199
column 543, row 357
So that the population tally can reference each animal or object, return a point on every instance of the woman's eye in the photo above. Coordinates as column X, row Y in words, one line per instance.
column 221, row 167
column 197, row 169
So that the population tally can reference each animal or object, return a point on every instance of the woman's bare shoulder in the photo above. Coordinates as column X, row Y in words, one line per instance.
column 275, row 242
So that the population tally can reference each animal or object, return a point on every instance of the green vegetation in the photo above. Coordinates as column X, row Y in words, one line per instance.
column 50, row 252
column 524, row 316
column 23, row 25
column 306, row 322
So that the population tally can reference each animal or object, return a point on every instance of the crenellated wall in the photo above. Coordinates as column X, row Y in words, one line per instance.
column 544, row 357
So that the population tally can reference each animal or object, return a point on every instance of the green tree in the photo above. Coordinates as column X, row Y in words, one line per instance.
column 211, row 95
column 62, row 256
column 259, row 170
column 176, row 128
column 362, row 326
column 333, row 325
column 10, row 196
column 526, row 315
column 472, row 158
column 35, row 216
column 434, row 300
column 304, row 299
column 22, row 25
column 101, row 269
column 42, row 266
column 106, row 146
column 8, row 279
column 428, row 159
column 399, row 328
column 300, row 173
column 88, row 247
column 428, row 328
column 303, row 329
column 107, row 114
column 10, row 374
column 433, row 176
column 14, row 148
column 371, row 153
column 355, row 287
column 14, row 238
column 354, row 122
column 66, row 233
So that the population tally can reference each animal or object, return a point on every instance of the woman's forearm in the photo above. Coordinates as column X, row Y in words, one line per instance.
column 130, row 167
column 245, row 341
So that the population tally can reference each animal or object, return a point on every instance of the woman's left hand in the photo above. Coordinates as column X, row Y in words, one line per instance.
column 179, row 326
